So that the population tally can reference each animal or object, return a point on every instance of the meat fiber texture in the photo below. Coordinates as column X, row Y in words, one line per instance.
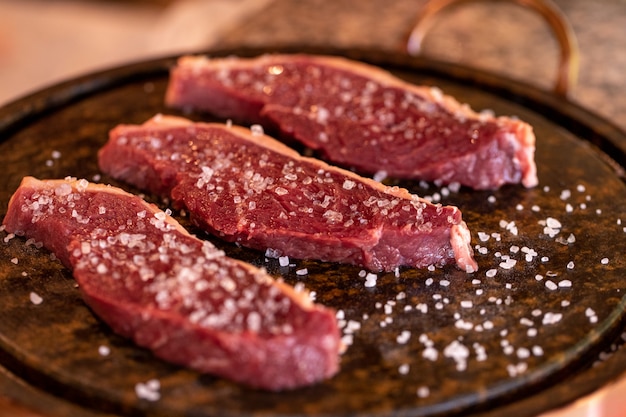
column 174, row 294
column 360, row 116
column 246, row 187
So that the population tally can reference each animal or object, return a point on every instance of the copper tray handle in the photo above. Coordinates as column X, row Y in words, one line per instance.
column 568, row 66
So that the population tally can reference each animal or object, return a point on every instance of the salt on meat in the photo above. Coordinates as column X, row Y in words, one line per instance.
column 360, row 116
column 248, row 188
column 179, row 296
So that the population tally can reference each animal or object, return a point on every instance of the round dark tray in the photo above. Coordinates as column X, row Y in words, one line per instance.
column 521, row 347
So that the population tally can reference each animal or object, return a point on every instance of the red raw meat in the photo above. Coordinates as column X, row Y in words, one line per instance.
column 360, row 117
column 249, row 188
column 174, row 294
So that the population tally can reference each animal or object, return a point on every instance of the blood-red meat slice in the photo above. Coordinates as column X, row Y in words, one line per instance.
column 249, row 188
column 174, row 294
column 360, row 116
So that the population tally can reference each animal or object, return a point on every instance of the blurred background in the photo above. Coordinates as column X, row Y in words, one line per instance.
column 46, row 41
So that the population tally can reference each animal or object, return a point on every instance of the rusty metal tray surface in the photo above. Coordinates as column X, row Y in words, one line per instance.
column 519, row 338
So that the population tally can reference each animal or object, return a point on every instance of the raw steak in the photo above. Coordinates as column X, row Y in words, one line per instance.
column 360, row 117
column 174, row 294
column 249, row 188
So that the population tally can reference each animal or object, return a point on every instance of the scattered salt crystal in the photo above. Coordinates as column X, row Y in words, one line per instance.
column 508, row 263
column 552, row 318
column 535, row 208
column 403, row 369
column 570, row 265
column 565, row 194
column 604, row 261
column 491, row 199
column 104, row 350
column 347, row 339
column 566, row 283
column 403, row 337
column 423, row 392
column 526, row 322
column 551, row 285
column 467, row 304
column 148, row 391
column 256, row 130
column 14, row 261
column 302, row 271
column 515, row 370
column 370, row 280
column 458, row 352
column 35, row 298
column 380, row 176
column 56, row 154
column 454, row 187
column 523, row 353
column 283, row 261
column 430, row 353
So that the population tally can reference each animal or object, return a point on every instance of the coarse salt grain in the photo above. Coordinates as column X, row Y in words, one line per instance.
column 149, row 390
column 551, row 285
column 552, row 318
column 370, row 280
column 404, row 369
column 104, row 350
column 35, row 298
column 14, row 261
column 403, row 337
column 283, row 261
column 508, row 264
column 423, row 392
column 553, row 223
column 256, row 130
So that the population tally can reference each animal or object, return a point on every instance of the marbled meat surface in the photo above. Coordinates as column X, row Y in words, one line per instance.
column 360, row 116
column 248, row 188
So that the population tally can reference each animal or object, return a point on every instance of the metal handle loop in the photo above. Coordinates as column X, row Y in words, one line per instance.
column 569, row 59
